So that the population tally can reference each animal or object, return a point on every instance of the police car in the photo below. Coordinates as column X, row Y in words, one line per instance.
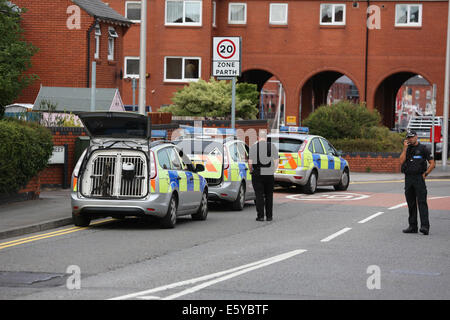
column 123, row 174
column 308, row 161
column 225, row 159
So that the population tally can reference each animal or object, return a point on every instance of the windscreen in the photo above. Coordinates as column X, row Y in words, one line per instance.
column 287, row 145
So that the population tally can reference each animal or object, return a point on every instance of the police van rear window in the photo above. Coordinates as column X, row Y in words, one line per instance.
column 287, row 145
column 205, row 147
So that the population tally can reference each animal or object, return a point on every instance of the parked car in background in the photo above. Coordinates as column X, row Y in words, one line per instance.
column 225, row 159
column 308, row 161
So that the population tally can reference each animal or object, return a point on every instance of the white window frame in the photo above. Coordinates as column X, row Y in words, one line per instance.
column 98, row 33
column 214, row 14
column 184, row 13
column 126, row 10
column 408, row 24
column 286, row 10
column 126, row 74
column 183, row 79
column 245, row 13
column 333, row 23
column 112, row 34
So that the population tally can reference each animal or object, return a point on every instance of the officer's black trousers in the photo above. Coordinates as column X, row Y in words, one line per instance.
column 263, row 185
column 416, row 196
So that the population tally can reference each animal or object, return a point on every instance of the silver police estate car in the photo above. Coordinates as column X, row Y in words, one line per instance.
column 122, row 174
column 225, row 159
column 308, row 161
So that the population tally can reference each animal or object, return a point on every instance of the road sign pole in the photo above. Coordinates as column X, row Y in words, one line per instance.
column 233, row 103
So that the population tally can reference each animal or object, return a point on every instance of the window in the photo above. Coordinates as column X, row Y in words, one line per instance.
column 278, row 13
column 318, row 146
column 112, row 34
column 98, row 33
column 131, row 67
column 408, row 15
column 180, row 12
column 332, row 14
column 214, row 13
column 163, row 159
column 181, row 69
column 428, row 94
column 234, row 152
column 243, row 152
column 133, row 10
column 417, row 94
column 237, row 13
column 174, row 159
column 329, row 148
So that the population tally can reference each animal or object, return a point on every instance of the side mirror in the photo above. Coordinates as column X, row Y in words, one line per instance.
column 199, row 167
column 339, row 153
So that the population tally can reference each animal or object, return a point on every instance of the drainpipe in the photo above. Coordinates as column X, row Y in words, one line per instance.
column 367, row 53
column 88, row 55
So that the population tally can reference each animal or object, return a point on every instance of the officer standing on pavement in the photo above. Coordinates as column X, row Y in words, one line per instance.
column 414, row 158
column 263, row 161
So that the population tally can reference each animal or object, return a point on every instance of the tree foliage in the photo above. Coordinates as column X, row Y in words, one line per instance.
column 24, row 151
column 342, row 120
column 15, row 55
column 213, row 99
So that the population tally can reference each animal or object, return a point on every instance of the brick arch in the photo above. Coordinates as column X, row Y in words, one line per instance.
column 307, row 87
column 262, row 69
column 384, row 93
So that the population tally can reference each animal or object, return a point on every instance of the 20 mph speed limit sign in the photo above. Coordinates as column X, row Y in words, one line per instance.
column 226, row 56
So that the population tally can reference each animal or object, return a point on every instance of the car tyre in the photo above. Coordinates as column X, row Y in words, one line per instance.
column 169, row 221
column 238, row 204
column 311, row 185
column 80, row 220
column 202, row 212
column 344, row 182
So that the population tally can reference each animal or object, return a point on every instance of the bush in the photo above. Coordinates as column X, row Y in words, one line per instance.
column 342, row 120
column 373, row 139
column 24, row 151
column 213, row 99
column 352, row 127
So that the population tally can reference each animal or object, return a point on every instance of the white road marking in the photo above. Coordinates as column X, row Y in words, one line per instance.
column 398, row 206
column 334, row 235
column 221, row 276
column 341, row 196
column 371, row 217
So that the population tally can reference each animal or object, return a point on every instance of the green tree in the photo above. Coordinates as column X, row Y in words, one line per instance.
column 213, row 99
column 15, row 55
column 342, row 120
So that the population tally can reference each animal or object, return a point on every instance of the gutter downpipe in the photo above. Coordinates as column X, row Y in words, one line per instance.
column 88, row 75
column 366, row 53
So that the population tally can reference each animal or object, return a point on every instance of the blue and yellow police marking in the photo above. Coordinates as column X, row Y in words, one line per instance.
column 47, row 235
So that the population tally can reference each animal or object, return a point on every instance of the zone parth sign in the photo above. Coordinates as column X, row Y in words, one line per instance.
column 226, row 57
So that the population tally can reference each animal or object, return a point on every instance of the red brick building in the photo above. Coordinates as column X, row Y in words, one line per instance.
column 306, row 44
column 70, row 34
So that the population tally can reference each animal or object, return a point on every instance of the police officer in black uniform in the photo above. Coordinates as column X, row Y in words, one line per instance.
column 263, row 162
column 414, row 158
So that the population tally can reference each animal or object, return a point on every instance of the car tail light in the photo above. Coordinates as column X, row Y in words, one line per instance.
column 75, row 184
column 153, row 168
column 302, row 147
column 226, row 163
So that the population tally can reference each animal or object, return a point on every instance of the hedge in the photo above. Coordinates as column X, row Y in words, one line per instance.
column 25, row 148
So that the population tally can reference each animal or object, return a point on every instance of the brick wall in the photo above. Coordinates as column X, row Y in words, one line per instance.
column 373, row 162
column 62, row 57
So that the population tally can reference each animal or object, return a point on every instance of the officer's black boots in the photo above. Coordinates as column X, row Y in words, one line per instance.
column 410, row 230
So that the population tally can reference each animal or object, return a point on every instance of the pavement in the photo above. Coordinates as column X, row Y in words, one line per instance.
column 52, row 209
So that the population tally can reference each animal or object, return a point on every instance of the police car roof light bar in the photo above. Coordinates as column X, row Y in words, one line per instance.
column 208, row 131
column 290, row 129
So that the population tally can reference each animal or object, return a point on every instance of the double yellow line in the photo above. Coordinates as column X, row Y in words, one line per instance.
column 48, row 235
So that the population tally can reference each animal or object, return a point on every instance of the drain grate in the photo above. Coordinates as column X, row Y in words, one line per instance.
column 26, row 278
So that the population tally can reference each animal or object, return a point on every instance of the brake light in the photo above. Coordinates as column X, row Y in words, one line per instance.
column 302, row 147
column 153, row 168
column 225, row 159
column 74, row 184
